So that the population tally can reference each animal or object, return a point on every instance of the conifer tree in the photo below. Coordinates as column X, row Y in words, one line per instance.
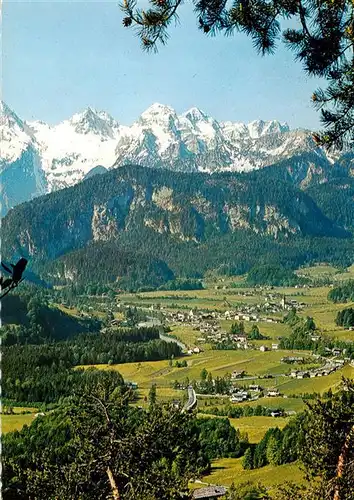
column 273, row 451
column 152, row 395
column 247, row 462
column 328, row 451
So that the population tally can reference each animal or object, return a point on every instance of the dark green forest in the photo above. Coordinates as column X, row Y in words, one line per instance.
column 343, row 292
column 45, row 372
column 28, row 318
column 273, row 275
column 151, row 453
column 345, row 317
column 225, row 223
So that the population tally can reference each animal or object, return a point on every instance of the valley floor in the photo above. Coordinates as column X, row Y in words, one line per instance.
column 266, row 369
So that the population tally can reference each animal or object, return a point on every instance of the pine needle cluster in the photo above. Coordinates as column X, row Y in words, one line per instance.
column 323, row 42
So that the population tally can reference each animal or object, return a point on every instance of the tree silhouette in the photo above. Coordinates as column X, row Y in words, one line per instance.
column 323, row 42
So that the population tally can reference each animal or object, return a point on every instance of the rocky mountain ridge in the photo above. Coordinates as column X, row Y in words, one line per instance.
column 43, row 158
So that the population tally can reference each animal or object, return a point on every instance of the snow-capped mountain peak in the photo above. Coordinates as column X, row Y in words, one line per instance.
column 192, row 141
column 95, row 122
column 15, row 135
column 195, row 114
column 157, row 113
column 9, row 117
column 259, row 128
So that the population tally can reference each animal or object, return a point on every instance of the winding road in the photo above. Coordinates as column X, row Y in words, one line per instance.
column 156, row 322
column 192, row 399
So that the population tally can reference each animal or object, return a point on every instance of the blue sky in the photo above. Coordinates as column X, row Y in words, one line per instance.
column 60, row 57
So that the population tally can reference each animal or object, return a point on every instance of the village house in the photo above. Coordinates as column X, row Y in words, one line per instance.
column 255, row 388
column 272, row 393
column 240, row 338
column 238, row 397
column 275, row 347
column 292, row 359
column 263, row 348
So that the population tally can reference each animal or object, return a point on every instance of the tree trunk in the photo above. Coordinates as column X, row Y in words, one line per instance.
column 342, row 460
column 114, row 487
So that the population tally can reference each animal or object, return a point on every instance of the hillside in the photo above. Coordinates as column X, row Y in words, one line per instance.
column 171, row 223
column 26, row 318
column 331, row 188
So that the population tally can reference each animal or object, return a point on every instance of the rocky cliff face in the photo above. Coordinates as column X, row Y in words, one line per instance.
column 184, row 207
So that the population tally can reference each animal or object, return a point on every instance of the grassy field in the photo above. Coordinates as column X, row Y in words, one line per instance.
column 318, row 384
column 201, row 299
column 186, row 334
column 287, row 404
column 255, row 427
column 226, row 471
column 272, row 330
column 23, row 409
column 326, row 271
column 11, row 423
column 294, row 404
column 219, row 363
column 163, row 394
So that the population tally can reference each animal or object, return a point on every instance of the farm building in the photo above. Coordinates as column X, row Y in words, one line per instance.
column 273, row 393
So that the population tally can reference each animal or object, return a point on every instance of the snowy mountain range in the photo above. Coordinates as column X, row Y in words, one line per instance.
column 36, row 158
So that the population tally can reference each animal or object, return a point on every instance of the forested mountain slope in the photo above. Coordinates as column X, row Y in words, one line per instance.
column 171, row 223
